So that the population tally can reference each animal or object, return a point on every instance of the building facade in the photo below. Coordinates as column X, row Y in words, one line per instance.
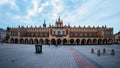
column 2, row 35
column 61, row 34
column 117, row 38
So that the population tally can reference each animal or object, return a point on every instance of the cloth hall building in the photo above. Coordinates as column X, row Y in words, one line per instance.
column 60, row 34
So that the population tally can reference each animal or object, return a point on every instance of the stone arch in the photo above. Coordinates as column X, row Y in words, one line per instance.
column 12, row 40
column 58, row 41
column 31, row 41
column 110, row 41
column 104, row 41
column 78, row 41
column 89, row 41
column 26, row 41
column 16, row 40
column 83, row 41
column 46, row 41
column 21, row 40
column 99, row 41
column 94, row 41
column 41, row 41
column 36, row 41
column 64, row 41
column 71, row 41
column 53, row 42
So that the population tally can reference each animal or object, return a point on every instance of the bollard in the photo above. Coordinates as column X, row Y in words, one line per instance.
column 98, row 53
column 112, row 52
column 104, row 50
column 92, row 51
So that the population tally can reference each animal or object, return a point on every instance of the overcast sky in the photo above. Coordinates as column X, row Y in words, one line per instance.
column 73, row 12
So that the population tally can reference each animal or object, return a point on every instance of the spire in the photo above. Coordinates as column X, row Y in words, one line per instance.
column 59, row 23
column 49, row 25
column 59, row 19
column 44, row 24
column 105, row 26
column 44, row 21
column 68, row 24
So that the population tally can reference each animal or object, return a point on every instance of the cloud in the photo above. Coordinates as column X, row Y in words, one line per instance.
column 34, row 10
column 83, row 11
column 42, row 6
column 23, row 19
column 75, row 12
column 89, row 13
column 3, row 1
column 58, row 7
column 11, row 2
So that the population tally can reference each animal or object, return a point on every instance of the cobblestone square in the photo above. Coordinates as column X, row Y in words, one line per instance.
column 71, row 56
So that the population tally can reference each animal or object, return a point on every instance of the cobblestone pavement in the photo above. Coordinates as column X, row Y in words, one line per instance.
column 104, row 60
column 24, row 56
column 80, row 60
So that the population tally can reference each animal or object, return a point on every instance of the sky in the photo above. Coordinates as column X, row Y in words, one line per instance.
column 14, row 13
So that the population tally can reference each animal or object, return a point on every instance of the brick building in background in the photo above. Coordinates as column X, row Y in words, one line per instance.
column 60, row 34
column 117, row 38
column 2, row 35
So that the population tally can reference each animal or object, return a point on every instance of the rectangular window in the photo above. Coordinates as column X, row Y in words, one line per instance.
column 58, row 32
column 53, row 32
column 14, row 33
column 63, row 32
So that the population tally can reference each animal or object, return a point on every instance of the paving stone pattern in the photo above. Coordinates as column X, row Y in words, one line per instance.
column 24, row 56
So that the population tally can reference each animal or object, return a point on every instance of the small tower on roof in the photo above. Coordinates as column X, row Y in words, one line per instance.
column 59, row 23
column 44, row 24
column 59, row 19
